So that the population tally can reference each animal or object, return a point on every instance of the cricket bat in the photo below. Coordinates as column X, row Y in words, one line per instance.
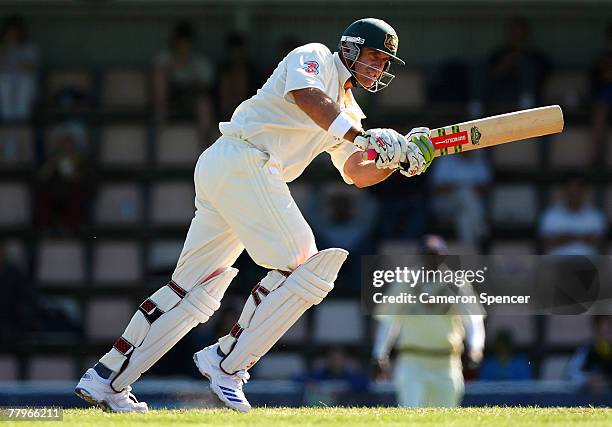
column 494, row 130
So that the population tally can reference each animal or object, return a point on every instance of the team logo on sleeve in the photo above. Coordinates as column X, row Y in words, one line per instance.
column 311, row 67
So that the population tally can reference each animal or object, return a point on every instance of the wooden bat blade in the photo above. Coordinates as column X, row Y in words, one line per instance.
column 493, row 130
column 500, row 129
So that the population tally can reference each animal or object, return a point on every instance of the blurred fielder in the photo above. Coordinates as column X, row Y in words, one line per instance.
column 429, row 371
column 242, row 201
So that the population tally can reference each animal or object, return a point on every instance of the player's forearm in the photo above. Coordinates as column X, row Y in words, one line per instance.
column 475, row 333
column 321, row 109
column 386, row 335
column 364, row 173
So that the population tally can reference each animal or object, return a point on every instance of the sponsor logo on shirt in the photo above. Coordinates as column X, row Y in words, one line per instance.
column 311, row 67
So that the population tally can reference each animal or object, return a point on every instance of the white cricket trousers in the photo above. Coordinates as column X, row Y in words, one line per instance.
column 428, row 381
column 241, row 202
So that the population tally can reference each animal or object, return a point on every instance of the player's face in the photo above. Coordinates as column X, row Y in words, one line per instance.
column 370, row 65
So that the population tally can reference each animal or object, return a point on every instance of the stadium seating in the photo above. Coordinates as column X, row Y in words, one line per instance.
column 501, row 247
column 17, row 253
column 607, row 202
column 45, row 368
column 125, row 88
column 338, row 322
column 16, row 147
column 118, row 204
column 514, row 205
column 107, row 318
column 172, row 203
column 8, row 368
column 408, row 92
column 280, row 366
column 568, row 88
column 404, row 247
column 461, row 248
column 568, row 330
column 64, row 86
column 298, row 333
column 52, row 266
column 571, row 149
column 163, row 254
column 302, row 194
column 178, row 145
column 519, row 156
column 123, row 145
column 154, row 193
column 15, row 202
column 52, row 136
column 521, row 327
column 116, row 261
column 608, row 150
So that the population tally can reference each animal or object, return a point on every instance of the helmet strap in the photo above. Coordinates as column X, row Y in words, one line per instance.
column 350, row 63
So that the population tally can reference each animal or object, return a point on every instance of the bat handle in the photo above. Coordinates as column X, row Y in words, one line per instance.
column 369, row 155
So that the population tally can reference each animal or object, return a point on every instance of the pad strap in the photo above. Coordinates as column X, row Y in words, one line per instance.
column 261, row 326
column 160, row 322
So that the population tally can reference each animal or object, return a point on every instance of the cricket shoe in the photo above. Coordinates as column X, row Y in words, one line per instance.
column 228, row 388
column 93, row 389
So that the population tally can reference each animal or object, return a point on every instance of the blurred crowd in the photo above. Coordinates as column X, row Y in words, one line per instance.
column 453, row 199
column 186, row 84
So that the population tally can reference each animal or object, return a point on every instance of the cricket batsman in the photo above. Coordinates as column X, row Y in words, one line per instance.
column 242, row 201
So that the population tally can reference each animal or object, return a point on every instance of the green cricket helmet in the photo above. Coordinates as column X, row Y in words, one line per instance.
column 374, row 34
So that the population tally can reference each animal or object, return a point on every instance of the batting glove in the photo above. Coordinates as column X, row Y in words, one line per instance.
column 390, row 146
column 420, row 152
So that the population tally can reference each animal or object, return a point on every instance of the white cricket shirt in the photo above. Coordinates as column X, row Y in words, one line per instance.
column 272, row 122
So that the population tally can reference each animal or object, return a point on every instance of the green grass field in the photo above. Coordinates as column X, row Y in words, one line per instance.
column 371, row 417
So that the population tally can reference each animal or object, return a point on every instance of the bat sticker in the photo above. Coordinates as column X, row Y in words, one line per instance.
column 475, row 135
column 451, row 140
